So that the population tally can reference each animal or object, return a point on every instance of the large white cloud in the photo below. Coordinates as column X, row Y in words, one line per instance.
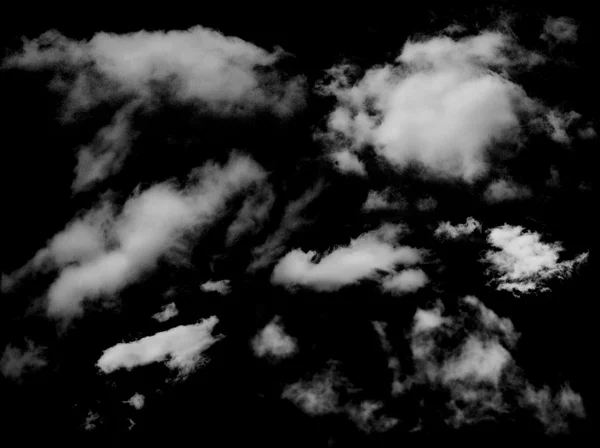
column 522, row 261
column 442, row 105
column 364, row 257
column 182, row 346
column 106, row 252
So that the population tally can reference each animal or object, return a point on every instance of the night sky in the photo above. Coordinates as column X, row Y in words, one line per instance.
column 368, row 226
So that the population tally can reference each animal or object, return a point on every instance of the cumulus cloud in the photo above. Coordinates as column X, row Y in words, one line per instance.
column 347, row 161
column 104, row 252
column 137, row 401
column 408, row 280
column 182, row 346
column 506, row 190
column 168, row 312
column 522, row 261
column 220, row 286
column 292, row 220
column 449, row 230
column 272, row 340
column 197, row 64
column 365, row 257
column 442, row 105
column 15, row 362
column 560, row 29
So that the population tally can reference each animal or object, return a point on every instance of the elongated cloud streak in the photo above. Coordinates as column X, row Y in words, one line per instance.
column 182, row 346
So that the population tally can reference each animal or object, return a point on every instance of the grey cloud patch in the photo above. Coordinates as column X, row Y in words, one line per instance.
column 250, row 218
column 168, row 311
column 560, row 29
column 220, row 286
column 273, row 341
column 506, row 190
column 16, row 362
column 449, row 230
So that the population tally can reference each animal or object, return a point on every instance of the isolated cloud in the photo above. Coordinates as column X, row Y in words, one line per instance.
column 182, row 346
column 220, row 286
column 505, row 190
column 408, row 280
column 442, row 105
column 365, row 257
column 560, row 29
column 137, row 401
column 196, row 64
column 522, row 261
column 272, row 340
column 15, row 362
column 448, row 230
column 168, row 312
column 107, row 252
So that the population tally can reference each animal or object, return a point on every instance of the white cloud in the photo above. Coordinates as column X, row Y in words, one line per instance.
column 504, row 190
column 220, row 286
column 168, row 311
column 523, row 261
column 197, row 64
column 347, row 161
column 408, row 280
column 137, row 401
column 272, row 340
column 182, row 345
column 109, row 252
column 560, row 29
column 449, row 230
column 440, row 106
column 364, row 257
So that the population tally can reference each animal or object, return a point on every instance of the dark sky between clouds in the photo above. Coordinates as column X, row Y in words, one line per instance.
column 296, row 227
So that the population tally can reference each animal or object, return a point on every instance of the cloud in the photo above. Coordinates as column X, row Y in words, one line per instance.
column 560, row 29
column 16, row 362
column 504, row 190
column 220, row 286
column 448, row 230
column 555, row 410
column 252, row 215
column 366, row 417
column 137, row 401
column 273, row 341
column 381, row 201
column 523, row 262
column 292, row 220
column 168, row 312
column 107, row 252
column 442, row 105
column 202, row 64
column 182, row 345
column 408, row 280
column 348, row 162
column 364, row 257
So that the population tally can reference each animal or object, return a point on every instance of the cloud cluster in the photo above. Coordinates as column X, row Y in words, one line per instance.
column 522, row 261
column 365, row 257
column 182, row 346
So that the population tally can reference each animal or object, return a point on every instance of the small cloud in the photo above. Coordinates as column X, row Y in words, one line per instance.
column 504, row 190
column 408, row 280
column 382, row 201
column 364, row 257
column 92, row 420
column 273, row 341
column 556, row 411
column 137, row 401
column 448, row 230
column 16, row 362
column 220, row 286
column 348, row 162
column 168, row 312
column 181, row 345
column 560, row 29
column 523, row 261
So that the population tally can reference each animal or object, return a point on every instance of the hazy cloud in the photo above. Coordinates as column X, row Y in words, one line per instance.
column 272, row 340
